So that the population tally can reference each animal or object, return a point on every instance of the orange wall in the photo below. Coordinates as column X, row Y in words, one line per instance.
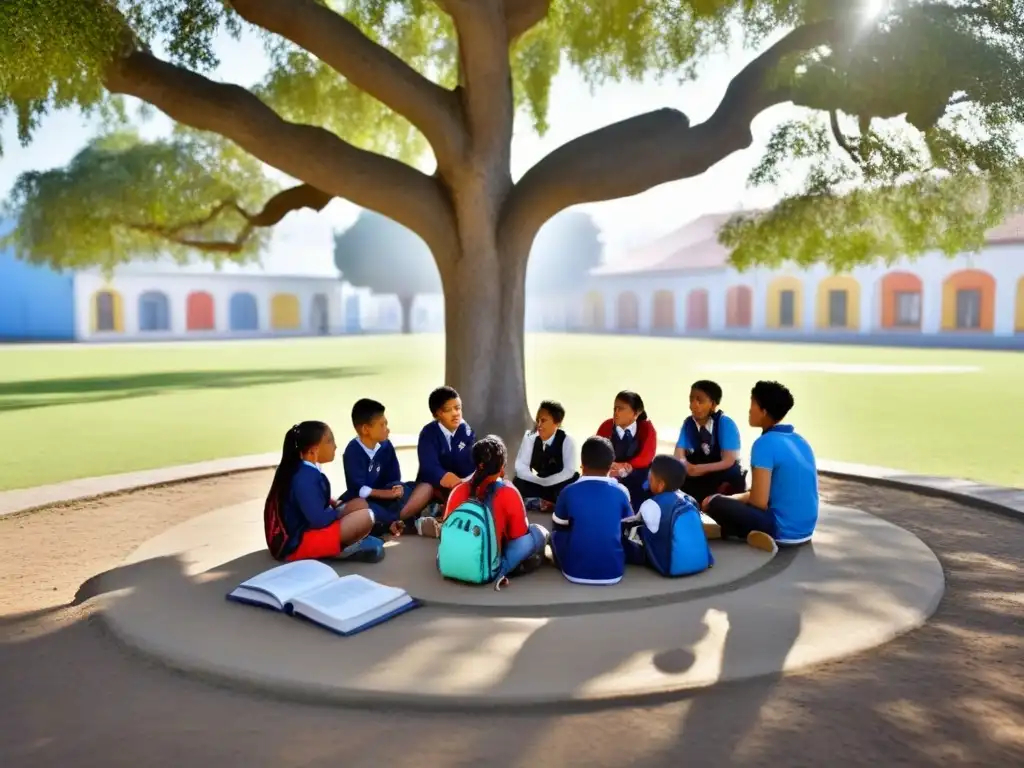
column 893, row 283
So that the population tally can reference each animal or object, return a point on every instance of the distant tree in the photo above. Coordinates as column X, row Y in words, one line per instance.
column 382, row 255
column 566, row 249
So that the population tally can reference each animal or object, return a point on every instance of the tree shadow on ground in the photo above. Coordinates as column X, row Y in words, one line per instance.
column 32, row 393
column 951, row 693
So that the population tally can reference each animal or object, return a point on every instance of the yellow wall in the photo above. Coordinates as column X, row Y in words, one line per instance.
column 775, row 288
column 118, row 311
column 839, row 283
column 1019, row 324
column 284, row 311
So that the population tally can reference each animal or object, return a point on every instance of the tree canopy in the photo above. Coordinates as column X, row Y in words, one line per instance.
column 909, row 140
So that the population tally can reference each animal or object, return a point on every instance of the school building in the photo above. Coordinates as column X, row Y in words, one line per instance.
column 155, row 301
column 682, row 284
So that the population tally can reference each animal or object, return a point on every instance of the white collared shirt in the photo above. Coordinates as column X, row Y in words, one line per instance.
column 525, row 455
column 365, row 491
column 621, row 431
column 447, row 435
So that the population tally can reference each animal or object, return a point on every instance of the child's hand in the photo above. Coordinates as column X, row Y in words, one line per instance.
column 450, row 480
column 694, row 470
column 704, row 504
column 397, row 491
column 546, row 506
column 396, row 528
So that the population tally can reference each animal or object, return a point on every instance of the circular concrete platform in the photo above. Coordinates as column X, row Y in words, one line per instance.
column 543, row 640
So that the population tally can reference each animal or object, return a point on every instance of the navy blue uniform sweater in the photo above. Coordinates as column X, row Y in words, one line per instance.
column 307, row 505
column 437, row 457
column 379, row 473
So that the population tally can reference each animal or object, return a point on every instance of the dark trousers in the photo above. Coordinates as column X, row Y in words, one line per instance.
column 634, row 482
column 737, row 519
column 706, row 485
column 550, row 493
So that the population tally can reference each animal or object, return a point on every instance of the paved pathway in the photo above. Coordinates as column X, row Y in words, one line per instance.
column 951, row 693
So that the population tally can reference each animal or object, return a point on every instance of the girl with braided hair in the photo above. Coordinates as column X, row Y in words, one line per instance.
column 301, row 519
column 520, row 543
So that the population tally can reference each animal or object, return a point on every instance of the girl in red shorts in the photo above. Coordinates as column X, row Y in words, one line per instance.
column 301, row 520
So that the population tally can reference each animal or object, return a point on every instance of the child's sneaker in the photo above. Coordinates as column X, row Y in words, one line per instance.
column 368, row 550
column 762, row 541
column 429, row 527
column 532, row 504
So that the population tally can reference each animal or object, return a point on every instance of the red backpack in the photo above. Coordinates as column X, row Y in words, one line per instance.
column 273, row 528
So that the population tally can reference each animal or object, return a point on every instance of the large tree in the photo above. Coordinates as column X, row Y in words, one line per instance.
column 908, row 138
column 382, row 255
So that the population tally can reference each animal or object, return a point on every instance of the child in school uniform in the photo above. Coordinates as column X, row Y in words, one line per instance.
column 547, row 459
column 709, row 445
column 372, row 471
column 668, row 533
column 520, row 543
column 301, row 520
column 445, row 452
column 634, row 441
column 587, row 532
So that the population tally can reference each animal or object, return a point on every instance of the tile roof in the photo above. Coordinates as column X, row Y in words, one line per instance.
column 695, row 246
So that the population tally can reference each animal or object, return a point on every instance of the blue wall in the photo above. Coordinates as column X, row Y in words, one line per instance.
column 36, row 303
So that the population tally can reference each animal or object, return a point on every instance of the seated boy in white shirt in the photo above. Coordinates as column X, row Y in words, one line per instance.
column 546, row 461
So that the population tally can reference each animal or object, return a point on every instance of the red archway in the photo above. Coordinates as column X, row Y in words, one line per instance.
column 738, row 302
column 199, row 314
column 697, row 310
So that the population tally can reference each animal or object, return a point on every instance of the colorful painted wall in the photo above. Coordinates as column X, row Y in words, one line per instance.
column 975, row 295
column 160, row 305
column 36, row 303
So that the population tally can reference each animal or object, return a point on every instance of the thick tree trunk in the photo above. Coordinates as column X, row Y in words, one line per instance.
column 484, row 299
column 406, row 300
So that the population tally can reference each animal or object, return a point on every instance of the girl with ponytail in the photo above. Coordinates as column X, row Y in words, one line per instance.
column 520, row 542
column 635, row 442
column 301, row 521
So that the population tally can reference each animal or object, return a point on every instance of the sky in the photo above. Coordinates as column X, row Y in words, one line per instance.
column 302, row 243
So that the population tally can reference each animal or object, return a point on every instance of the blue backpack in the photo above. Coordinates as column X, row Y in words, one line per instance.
column 679, row 548
column 468, row 550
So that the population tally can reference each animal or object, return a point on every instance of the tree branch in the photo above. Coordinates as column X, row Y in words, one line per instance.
column 273, row 211
column 368, row 66
column 634, row 155
column 313, row 155
column 523, row 15
column 485, row 71
column 841, row 140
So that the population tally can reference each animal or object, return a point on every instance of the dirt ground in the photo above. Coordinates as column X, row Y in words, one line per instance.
column 950, row 693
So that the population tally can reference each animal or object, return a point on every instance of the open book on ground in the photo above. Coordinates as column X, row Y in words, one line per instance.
column 312, row 590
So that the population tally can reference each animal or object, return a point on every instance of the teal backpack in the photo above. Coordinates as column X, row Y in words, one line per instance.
column 468, row 550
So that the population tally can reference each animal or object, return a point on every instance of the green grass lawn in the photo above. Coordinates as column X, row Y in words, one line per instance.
column 77, row 411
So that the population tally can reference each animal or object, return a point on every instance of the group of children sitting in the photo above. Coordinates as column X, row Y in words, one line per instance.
column 625, row 505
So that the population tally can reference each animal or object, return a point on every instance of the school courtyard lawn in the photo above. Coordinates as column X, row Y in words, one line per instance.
column 74, row 411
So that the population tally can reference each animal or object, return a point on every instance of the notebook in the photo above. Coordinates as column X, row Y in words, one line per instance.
column 312, row 590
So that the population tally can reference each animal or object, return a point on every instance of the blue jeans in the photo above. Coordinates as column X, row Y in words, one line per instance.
column 518, row 550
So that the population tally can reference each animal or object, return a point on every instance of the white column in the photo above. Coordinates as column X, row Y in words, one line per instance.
column 1005, row 307
column 869, row 308
column 931, row 302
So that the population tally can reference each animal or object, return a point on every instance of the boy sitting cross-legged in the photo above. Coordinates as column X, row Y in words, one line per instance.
column 587, row 523
column 546, row 463
column 668, row 533
column 445, row 453
column 372, row 471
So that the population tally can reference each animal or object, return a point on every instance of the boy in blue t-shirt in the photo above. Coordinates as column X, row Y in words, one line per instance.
column 587, row 523
column 782, row 503
column 709, row 445
column 372, row 471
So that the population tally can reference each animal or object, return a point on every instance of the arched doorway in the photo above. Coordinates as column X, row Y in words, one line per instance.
column 199, row 314
column 697, row 310
column 154, row 311
column 968, row 301
column 244, row 315
column 838, row 304
column 663, row 316
column 108, row 316
column 785, row 304
column 901, row 301
column 738, row 306
column 628, row 312
column 284, row 312
column 593, row 311
column 320, row 319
